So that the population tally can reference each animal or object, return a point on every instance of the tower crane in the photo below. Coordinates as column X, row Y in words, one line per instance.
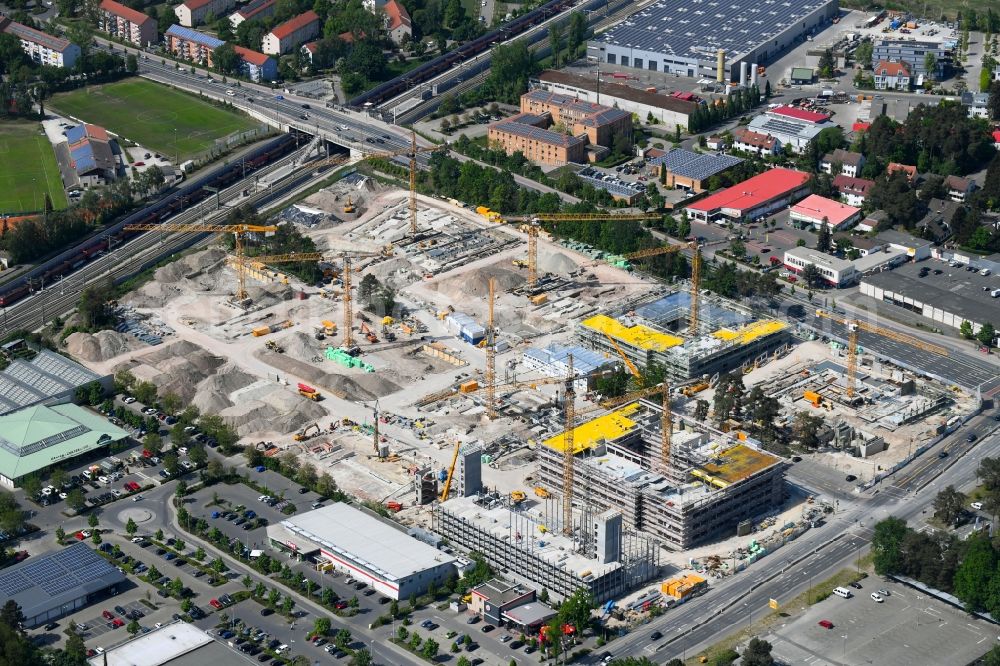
column 533, row 221
column 634, row 371
column 238, row 230
column 568, row 470
column 246, row 264
column 491, row 352
column 451, row 471
column 410, row 152
column 854, row 326
column 345, row 279
column 695, row 272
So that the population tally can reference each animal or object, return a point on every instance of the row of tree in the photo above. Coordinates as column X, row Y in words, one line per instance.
column 735, row 104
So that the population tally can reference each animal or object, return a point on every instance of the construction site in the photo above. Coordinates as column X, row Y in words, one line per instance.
column 446, row 366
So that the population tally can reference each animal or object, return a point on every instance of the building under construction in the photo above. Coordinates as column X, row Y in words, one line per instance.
column 712, row 483
column 728, row 336
column 523, row 540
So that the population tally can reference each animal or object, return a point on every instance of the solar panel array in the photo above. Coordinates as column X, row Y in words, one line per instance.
column 24, row 383
column 696, row 28
column 693, row 165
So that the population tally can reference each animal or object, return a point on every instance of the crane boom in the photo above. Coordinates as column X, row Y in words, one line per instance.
column 451, row 472
column 567, row 499
column 410, row 152
column 631, row 366
column 490, row 378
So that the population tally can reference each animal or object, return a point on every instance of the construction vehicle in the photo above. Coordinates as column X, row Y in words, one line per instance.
column 368, row 333
column 274, row 346
column 307, row 391
column 542, row 492
column 395, row 507
column 694, row 389
column 307, row 432
column 451, row 471
column 238, row 230
column 329, row 328
column 856, row 325
column 520, row 263
column 349, row 206
column 518, row 496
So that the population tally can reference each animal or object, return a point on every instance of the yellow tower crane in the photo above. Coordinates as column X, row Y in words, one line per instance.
column 345, row 279
column 533, row 221
column 491, row 351
column 568, row 470
column 856, row 325
column 248, row 264
column 410, row 152
column 238, row 230
column 695, row 273
column 634, row 371
column 451, row 471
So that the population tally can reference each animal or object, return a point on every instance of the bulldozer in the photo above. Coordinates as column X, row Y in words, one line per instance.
column 349, row 206
column 274, row 346
column 307, row 432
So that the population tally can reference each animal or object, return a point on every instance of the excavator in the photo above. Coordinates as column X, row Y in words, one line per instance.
column 307, row 432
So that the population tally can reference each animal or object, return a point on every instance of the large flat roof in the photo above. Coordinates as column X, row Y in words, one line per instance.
column 753, row 192
column 49, row 581
column 367, row 540
column 47, row 375
column 956, row 290
column 816, row 207
column 698, row 166
column 735, row 464
column 639, row 335
column 698, row 28
column 36, row 437
column 157, row 647
column 608, row 428
column 619, row 91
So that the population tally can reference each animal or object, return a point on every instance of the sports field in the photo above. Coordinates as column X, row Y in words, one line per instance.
column 157, row 117
column 28, row 169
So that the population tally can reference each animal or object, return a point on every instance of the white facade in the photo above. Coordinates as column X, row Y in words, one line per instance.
column 939, row 314
column 838, row 272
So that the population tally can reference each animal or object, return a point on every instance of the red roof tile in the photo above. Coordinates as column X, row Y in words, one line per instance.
column 888, row 68
column 398, row 15
column 126, row 13
column 816, row 207
column 251, row 56
column 764, row 187
column 754, row 138
column 96, row 132
column 800, row 114
column 293, row 24
column 854, row 185
column 909, row 170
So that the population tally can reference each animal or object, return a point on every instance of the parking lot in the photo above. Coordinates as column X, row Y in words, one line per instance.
column 904, row 629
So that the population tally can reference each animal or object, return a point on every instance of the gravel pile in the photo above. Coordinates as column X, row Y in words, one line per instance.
column 101, row 346
column 475, row 284
column 556, row 262
column 358, row 386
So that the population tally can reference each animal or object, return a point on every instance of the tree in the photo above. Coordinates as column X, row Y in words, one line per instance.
column 949, row 505
column 725, row 658
column 863, row 54
column 972, row 578
column 989, row 473
column 94, row 307
column 701, row 410
column 827, row 64
column 287, row 604
column 321, row 627
column 812, row 276
column 11, row 615
column 823, row 243
column 133, row 627
column 170, row 464
column 131, row 64
column 226, row 60
column 886, row 545
column 805, row 429
column 60, row 534
column 966, row 330
column 93, row 520
column 430, row 648
column 362, row 657
column 32, row 485
column 145, row 392
column 576, row 609
column 130, row 527
column 987, row 334
column 930, row 64
column 758, row 653
column 198, row 455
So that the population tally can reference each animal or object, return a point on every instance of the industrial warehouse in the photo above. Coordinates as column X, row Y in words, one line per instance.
column 708, row 485
column 709, row 39
column 364, row 547
column 658, row 332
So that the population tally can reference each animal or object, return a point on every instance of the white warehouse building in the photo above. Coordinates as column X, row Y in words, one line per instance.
column 366, row 547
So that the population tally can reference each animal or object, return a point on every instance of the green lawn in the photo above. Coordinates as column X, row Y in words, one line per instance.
column 28, row 169
column 157, row 117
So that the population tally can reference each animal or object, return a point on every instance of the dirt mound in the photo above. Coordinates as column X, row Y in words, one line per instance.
column 189, row 265
column 302, row 346
column 181, row 366
column 277, row 410
column 101, row 346
column 475, row 284
column 213, row 393
column 556, row 262
column 359, row 387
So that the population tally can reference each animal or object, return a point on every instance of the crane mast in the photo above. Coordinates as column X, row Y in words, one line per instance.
column 567, row 498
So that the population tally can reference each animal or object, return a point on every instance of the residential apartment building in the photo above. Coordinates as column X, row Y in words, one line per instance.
column 600, row 123
column 850, row 163
column 893, row 75
column 977, row 104
column 192, row 12
column 913, row 53
column 795, row 128
column 852, row 191
column 755, row 143
column 838, row 272
column 816, row 211
column 397, row 22
column 959, row 188
column 256, row 66
column 42, row 47
column 258, row 9
column 290, row 34
column 527, row 133
column 126, row 23
column 191, row 45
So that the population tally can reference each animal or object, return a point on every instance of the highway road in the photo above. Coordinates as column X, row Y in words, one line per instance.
column 785, row 574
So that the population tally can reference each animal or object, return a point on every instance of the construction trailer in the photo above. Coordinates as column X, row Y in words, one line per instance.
column 656, row 331
column 711, row 484
column 525, row 543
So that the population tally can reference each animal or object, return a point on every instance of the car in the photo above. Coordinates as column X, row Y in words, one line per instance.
column 163, row 473
column 303, row 491
column 306, row 106
column 856, row 585
column 51, row 625
column 655, row 636
column 266, row 611
column 340, row 605
column 516, row 645
column 505, row 638
column 884, row 593
column 877, row 598
column 214, row 603
column 530, row 649
column 149, row 411
column 231, row 93
column 942, row 455
column 103, row 479
column 487, row 628
column 169, row 556
column 473, row 620
column 369, row 592
column 426, row 623
column 826, row 624
column 128, row 400
column 977, row 505
column 108, row 615
column 117, row 622
column 247, row 527
column 996, row 417
column 227, row 634
column 850, row 478
column 119, row 610
column 971, row 437
column 263, row 656
column 63, row 496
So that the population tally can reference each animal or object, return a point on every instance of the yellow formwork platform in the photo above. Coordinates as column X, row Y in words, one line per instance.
column 736, row 463
column 608, row 428
column 750, row 332
column 639, row 336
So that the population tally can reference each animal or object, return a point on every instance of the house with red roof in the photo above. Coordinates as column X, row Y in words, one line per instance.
column 815, row 211
column 753, row 198
column 893, row 75
column 853, row 191
column 255, row 10
column 126, row 23
column 192, row 12
column 996, row 139
column 397, row 23
column 290, row 34
column 757, row 143
column 910, row 171
column 256, row 66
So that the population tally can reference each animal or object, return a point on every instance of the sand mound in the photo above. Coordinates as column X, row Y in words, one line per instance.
column 213, row 393
column 555, row 263
column 190, row 265
column 358, row 386
column 302, row 346
column 181, row 366
column 475, row 284
column 101, row 346
column 279, row 410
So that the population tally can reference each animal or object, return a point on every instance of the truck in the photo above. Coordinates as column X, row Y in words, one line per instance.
column 307, row 391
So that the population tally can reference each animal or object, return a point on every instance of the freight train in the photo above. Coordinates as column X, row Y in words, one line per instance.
column 167, row 207
column 450, row 60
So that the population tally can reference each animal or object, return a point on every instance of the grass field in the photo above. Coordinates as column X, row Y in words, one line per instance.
column 28, row 169
column 154, row 116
